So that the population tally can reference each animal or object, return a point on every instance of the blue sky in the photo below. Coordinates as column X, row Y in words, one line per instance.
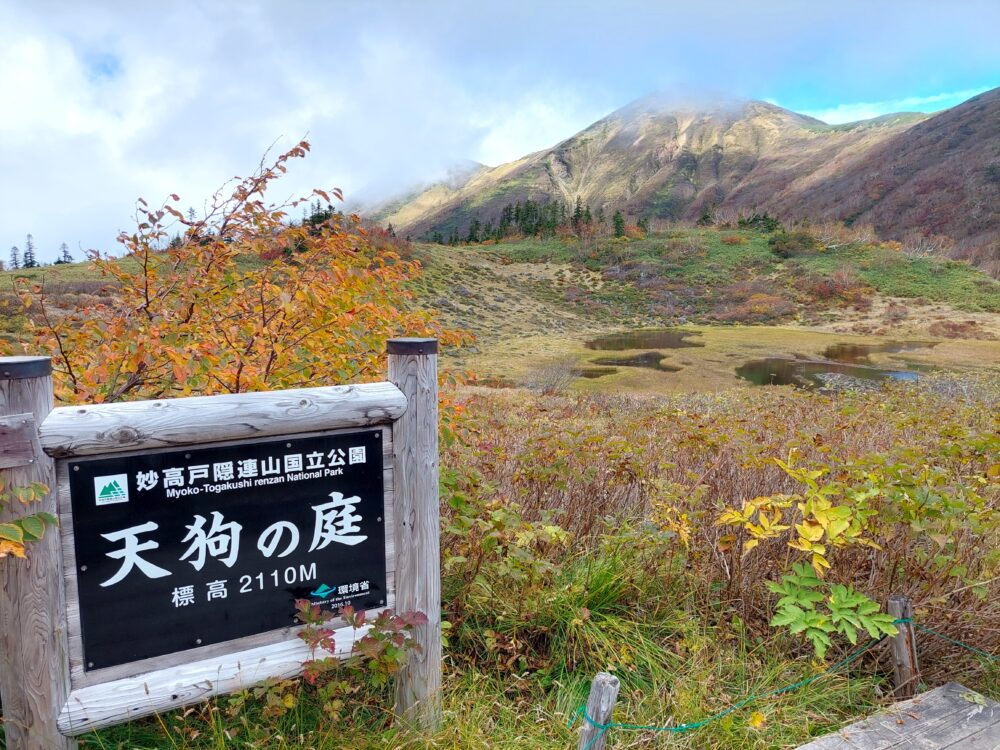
column 109, row 100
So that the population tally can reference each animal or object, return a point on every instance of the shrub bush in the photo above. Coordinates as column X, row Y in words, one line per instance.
column 790, row 244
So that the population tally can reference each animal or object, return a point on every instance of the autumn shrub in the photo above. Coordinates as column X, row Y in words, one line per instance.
column 959, row 329
column 842, row 287
column 877, row 493
column 763, row 222
column 733, row 239
column 243, row 300
column 791, row 244
column 686, row 247
column 759, row 307
column 895, row 313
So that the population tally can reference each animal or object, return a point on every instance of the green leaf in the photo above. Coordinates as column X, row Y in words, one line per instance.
column 33, row 526
column 849, row 630
column 787, row 616
column 11, row 533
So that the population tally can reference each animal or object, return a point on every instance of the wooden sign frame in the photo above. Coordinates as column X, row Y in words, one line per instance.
column 68, row 700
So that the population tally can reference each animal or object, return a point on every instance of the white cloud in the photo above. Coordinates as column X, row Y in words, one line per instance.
column 867, row 110
column 105, row 101
column 111, row 103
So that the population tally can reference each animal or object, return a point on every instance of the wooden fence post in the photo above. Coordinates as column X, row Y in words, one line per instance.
column 600, row 705
column 413, row 369
column 904, row 648
column 34, row 666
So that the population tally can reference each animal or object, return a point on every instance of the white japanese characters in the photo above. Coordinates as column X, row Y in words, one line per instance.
column 221, row 541
column 217, row 477
column 129, row 553
column 337, row 521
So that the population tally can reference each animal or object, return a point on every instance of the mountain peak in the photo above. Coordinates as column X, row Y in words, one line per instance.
column 673, row 158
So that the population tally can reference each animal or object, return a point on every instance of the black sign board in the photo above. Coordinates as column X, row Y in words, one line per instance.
column 182, row 548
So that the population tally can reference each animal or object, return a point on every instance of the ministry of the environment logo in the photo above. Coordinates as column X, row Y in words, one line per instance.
column 323, row 591
column 111, row 489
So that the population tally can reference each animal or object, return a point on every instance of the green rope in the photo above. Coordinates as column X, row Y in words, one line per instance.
column 966, row 646
column 603, row 728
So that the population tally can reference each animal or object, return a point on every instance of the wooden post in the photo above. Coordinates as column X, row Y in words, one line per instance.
column 904, row 648
column 34, row 667
column 413, row 369
column 600, row 706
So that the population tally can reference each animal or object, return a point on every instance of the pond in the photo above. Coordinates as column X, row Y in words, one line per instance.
column 860, row 353
column 809, row 373
column 592, row 373
column 644, row 338
column 652, row 360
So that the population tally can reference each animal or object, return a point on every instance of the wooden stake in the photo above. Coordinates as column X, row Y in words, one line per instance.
column 904, row 648
column 413, row 369
column 600, row 705
column 34, row 667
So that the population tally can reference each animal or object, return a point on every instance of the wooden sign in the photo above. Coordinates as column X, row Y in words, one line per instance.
column 189, row 528
column 192, row 547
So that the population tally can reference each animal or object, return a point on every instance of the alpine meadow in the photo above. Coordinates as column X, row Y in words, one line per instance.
column 711, row 454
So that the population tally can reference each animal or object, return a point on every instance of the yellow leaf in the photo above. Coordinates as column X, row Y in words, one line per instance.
column 819, row 563
column 751, row 543
column 836, row 528
column 810, row 530
column 11, row 548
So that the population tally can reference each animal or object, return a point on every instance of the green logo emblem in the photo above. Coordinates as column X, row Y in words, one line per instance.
column 111, row 489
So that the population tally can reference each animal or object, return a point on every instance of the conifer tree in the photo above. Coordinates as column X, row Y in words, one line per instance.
column 619, row 222
column 64, row 254
column 578, row 214
column 474, row 228
column 29, row 260
column 15, row 258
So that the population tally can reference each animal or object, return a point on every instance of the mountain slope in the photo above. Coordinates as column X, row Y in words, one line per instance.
column 659, row 159
column 940, row 177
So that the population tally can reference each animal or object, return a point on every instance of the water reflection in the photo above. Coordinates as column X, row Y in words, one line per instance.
column 859, row 353
column 592, row 373
column 644, row 338
column 810, row 373
column 652, row 360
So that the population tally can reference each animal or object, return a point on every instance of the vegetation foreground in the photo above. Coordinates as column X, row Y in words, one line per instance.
column 702, row 547
column 595, row 533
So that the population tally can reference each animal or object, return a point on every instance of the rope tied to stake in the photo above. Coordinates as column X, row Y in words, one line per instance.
column 690, row 726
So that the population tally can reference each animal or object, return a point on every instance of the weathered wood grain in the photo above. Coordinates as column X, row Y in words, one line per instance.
column 600, row 706
column 139, row 425
column 413, row 367
column 951, row 716
column 34, row 669
column 80, row 678
column 18, row 440
column 110, row 703
column 904, row 648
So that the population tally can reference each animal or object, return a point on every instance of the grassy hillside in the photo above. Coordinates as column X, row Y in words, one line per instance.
column 534, row 304
column 536, row 301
